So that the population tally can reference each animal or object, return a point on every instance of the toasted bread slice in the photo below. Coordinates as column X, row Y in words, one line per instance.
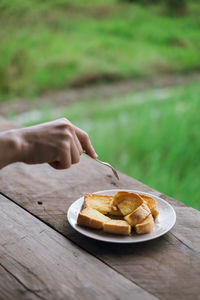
column 154, row 213
column 151, row 202
column 102, row 203
column 138, row 215
column 115, row 211
column 146, row 226
column 117, row 227
column 90, row 217
column 126, row 202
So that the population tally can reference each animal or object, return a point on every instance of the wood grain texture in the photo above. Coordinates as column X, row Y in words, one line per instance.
column 46, row 265
column 10, row 287
column 168, row 267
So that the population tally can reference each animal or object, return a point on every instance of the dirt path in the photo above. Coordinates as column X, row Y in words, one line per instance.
column 64, row 98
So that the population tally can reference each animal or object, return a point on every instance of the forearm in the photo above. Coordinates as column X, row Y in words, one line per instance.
column 9, row 148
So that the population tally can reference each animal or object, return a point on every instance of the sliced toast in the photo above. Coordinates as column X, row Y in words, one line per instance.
column 138, row 211
column 151, row 202
column 115, row 211
column 126, row 202
column 117, row 227
column 102, row 203
column 92, row 218
column 146, row 226
column 138, row 215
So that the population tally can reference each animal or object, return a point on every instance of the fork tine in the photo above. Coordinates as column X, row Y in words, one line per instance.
column 115, row 173
column 108, row 165
column 111, row 167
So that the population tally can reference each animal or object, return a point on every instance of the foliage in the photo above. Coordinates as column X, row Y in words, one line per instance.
column 49, row 45
column 176, row 7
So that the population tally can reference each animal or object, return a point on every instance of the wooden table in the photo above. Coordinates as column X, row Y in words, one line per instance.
column 42, row 257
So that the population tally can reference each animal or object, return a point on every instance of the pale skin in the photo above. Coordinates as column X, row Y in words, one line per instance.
column 58, row 143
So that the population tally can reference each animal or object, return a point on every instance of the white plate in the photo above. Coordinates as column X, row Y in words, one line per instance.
column 166, row 220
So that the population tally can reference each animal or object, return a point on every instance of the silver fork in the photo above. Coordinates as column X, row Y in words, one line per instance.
column 108, row 165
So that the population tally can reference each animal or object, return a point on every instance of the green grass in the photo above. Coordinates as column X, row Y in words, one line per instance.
column 152, row 136
column 48, row 45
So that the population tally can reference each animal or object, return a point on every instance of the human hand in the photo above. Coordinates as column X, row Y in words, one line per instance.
column 58, row 143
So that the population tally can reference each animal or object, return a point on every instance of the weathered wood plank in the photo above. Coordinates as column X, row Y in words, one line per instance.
column 49, row 266
column 10, row 287
column 167, row 267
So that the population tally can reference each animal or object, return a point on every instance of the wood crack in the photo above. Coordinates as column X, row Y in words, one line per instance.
column 30, row 272
column 35, row 292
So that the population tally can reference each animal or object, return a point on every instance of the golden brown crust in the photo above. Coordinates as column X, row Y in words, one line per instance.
column 151, row 202
column 117, row 227
column 102, row 203
column 126, row 202
column 115, row 211
column 155, row 213
column 138, row 215
column 137, row 210
column 90, row 217
column 146, row 226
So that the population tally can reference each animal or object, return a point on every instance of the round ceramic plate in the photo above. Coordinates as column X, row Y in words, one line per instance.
column 165, row 221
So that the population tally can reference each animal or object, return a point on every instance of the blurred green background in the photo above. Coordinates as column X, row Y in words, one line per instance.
column 149, row 130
